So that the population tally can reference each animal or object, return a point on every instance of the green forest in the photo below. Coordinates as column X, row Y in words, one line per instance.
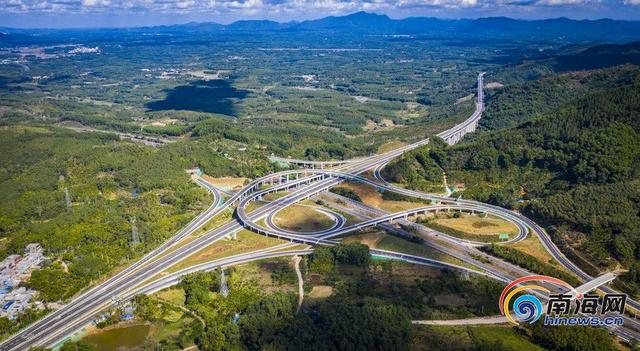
column 80, row 194
column 575, row 170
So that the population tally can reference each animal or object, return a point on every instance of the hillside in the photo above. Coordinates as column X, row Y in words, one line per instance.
column 539, row 86
column 517, row 103
column 576, row 170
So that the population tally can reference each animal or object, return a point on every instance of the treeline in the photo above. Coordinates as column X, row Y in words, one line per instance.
column 529, row 262
column 418, row 168
column 323, row 259
column 334, row 324
column 348, row 193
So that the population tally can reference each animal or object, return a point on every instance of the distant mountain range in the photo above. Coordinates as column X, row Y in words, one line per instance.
column 363, row 22
column 562, row 29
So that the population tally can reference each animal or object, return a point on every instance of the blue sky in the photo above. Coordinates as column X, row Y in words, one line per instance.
column 122, row 13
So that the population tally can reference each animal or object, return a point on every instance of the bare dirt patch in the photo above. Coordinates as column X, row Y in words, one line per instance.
column 164, row 122
column 226, row 183
column 384, row 124
column 321, row 292
column 464, row 99
column 369, row 239
column 493, row 85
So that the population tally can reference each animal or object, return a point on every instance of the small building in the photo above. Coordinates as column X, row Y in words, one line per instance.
column 13, row 270
column 16, row 302
column 10, row 262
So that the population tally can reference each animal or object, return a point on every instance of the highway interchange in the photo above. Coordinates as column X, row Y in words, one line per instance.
column 142, row 276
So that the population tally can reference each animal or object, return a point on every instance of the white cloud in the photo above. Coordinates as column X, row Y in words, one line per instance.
column 279, row 8
column 96, row 2
column 185, row 4
column 562, row 2
column 469, row 3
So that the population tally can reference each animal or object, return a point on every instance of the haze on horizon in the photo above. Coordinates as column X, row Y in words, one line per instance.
column 132, row 13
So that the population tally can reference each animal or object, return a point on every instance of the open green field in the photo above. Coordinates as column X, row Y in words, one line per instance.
column 470, row 227
column 372, row 197
column 302, row 219
column 384, row 241
column 473, row 224
column 246, row 242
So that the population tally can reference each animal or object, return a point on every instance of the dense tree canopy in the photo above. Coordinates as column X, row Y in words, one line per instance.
column 576, row 168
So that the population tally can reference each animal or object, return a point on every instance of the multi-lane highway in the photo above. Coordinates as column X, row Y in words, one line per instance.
column 138, row 277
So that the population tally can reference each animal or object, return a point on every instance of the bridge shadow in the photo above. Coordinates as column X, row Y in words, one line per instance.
column 213, row 96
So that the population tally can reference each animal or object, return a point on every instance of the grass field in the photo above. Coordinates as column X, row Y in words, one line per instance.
column 247, row 241
column 390, row 145
column 394, row 243
column 473, row 224
column 302, row 219
column 274, row 196
column 532, row 246
column 320, row 292
column 370, row 239
column 254, row 205
column 294, row 247
column 215, row 222
column 384, row 241
column 226, row 183
column 372, row 197
column 174, row 296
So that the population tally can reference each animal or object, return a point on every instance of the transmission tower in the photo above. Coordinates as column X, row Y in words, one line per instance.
column 67, row 198
column 224, row 289
column 135, row 238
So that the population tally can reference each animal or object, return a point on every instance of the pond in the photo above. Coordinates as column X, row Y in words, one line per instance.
column 117, row 338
